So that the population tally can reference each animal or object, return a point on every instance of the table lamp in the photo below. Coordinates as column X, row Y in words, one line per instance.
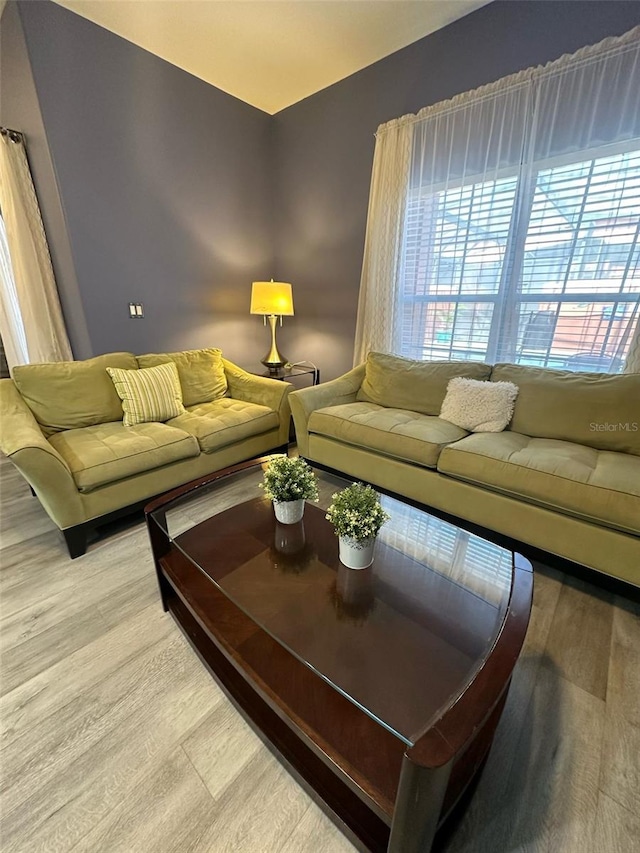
column 272, row 299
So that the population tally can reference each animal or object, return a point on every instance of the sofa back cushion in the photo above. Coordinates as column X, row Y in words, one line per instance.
column 201, row 373
column 72, row 394
column 419, row 386
column 600, row 410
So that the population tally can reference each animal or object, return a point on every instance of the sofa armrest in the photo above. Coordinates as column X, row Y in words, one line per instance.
column 18, row 427
column 22, row 440
column 263, row 391
column 305, row 401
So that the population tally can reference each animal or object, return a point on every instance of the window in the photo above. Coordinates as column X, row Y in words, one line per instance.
column 503, row 223
column 546, row 274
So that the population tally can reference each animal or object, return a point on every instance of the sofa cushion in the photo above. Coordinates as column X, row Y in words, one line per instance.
column 201, row 373
column 224, row 422
column 105, row 453
column 400, row 433
column 419, row 386
column 600, row 410
column 72, row 394
column 148, row 395
column 595, row 485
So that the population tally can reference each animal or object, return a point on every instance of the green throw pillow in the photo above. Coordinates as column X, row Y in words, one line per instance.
column 150, row 394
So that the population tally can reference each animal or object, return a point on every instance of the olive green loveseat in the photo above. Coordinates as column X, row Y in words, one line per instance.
column 564, row 477
column 61, row 425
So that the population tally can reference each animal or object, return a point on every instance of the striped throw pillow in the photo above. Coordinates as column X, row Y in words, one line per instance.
column 148, row 394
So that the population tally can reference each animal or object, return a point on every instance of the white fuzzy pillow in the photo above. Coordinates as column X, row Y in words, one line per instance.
column 479, row 406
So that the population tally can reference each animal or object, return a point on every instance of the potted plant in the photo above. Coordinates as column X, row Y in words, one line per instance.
column 357, row 516
column 288, row 483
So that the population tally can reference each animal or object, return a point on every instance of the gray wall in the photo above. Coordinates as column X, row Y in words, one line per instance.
column 324, row 147
column 165, row 182
column 19, row 109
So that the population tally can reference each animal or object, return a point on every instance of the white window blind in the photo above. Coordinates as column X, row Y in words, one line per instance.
column 454, row 246
column 561, row 290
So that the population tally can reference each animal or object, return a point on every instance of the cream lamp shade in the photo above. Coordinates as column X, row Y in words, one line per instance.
column 271, row 298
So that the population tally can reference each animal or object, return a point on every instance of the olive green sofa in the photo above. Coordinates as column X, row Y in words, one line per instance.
column 61, row 426
column 564, row 477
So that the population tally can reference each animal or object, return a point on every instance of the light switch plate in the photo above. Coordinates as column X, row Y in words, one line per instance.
column 136, row 310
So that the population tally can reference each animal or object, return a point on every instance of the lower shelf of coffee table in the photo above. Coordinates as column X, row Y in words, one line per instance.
column 344, row 758
column 347, row 762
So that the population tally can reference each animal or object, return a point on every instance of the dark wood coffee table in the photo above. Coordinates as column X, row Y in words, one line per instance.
column 379, row 689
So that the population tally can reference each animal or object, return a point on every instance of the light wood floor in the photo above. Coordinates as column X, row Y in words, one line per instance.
column 116, row 740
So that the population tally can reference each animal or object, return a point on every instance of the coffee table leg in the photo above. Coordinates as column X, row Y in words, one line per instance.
column 418, row 805
column 160, row 546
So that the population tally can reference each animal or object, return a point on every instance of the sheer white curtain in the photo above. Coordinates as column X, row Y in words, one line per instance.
column 378, row 314
column 590, row 102
column 11, row 325
column 31, row 322
column 519, row 228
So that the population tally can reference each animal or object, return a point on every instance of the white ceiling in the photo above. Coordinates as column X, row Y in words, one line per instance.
column 272, row 53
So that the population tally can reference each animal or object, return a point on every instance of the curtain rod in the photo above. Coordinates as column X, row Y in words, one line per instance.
column 14, row 135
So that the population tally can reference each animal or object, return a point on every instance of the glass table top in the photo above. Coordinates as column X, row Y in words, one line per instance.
column 402, row 639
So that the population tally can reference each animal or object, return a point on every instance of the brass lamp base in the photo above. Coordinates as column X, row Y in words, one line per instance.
column 274, row 361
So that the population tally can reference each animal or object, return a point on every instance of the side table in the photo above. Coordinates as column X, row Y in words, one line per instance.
column 289, row 373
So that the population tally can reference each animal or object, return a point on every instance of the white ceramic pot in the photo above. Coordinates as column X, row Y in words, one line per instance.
column 289, row 512
column 356, row 555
